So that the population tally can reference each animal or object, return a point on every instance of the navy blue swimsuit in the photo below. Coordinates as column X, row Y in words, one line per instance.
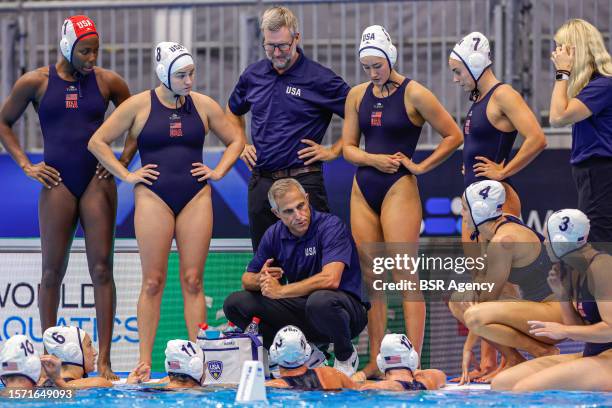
column 413, row 385
column 387, row 130
column 70, row 112
column 531, row 278
column 481, row 138
column 173, row 139
column 307, row 381
column 587, row 307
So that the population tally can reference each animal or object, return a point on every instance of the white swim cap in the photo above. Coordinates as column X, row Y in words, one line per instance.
column 74, row 29
column 185, row 357
column 568, row 231
column 485, row 200
column 289, row 348
column 376, row 42
column 18, row 357
column 396, row 351
column 65, row 343
column 474, row 51
column 170, row 57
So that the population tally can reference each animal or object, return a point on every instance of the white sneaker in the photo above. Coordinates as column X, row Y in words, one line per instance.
column 317, row 358
column 348, row 367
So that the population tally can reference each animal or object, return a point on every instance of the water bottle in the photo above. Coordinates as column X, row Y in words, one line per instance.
column 206, row 332
column 253, row 327
column 202, row 332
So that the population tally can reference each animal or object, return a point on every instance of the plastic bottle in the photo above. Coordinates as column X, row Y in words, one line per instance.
column 207, row 333
column 202, row 332
column 253, row 327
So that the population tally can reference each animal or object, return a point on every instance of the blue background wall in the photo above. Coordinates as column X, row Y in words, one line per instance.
column 545, row 185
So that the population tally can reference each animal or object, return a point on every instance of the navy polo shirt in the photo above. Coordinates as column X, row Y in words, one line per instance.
column 326, row 240
column 287, row 108
column 592, row 137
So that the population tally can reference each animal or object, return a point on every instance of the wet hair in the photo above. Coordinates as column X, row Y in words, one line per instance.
column 5, row 378
column 182, row 377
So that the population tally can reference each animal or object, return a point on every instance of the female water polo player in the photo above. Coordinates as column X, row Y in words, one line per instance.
column 71, row 98
column 71, row 358
column 291, row 351
column 390, row 110
column 497, row 114
column 515, row 254
column 581, row 282
column 398, row 360
column 173, row 198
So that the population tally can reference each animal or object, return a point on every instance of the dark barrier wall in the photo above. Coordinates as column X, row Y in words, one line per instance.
column 545, row 185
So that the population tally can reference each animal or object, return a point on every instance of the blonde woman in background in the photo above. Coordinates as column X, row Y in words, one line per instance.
column 582, row 97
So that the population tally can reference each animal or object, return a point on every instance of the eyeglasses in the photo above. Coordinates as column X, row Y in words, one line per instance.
column 282, row 47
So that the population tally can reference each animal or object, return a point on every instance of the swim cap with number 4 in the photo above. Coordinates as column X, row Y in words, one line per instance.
column 485, row 200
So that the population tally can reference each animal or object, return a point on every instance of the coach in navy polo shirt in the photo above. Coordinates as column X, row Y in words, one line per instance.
column 292, row 100
column 314, row 253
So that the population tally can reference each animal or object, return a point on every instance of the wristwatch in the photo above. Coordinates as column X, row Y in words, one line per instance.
column 562, row 75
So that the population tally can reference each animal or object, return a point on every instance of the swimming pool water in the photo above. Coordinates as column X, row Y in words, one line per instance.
column 133, row 396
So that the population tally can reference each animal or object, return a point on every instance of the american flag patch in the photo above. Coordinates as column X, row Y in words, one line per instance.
column 376, row 118
column 174, row 365
column 10, row 366
column 175, row 125
column 72, row 97
column 393, row 359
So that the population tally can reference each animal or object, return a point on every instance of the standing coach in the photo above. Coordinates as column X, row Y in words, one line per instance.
column 292, row 100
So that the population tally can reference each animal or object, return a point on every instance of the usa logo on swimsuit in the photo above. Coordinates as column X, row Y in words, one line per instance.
column 72, row 97
column 215, row 368
column 176, row 129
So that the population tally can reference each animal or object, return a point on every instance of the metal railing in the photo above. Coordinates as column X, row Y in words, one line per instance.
column 223, row 37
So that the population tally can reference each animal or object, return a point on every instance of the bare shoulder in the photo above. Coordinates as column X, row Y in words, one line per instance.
column 359, row 89
column 505, row 93
column 381, row 385
column 107, row 75
column 277, row 383
column 415, row 91
column 331, row 373
column 35, row 77
column 600, row 266
column 504, row 238
column 138, row 100
column 203, row 100
column 432, row 378
column 356, row 93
